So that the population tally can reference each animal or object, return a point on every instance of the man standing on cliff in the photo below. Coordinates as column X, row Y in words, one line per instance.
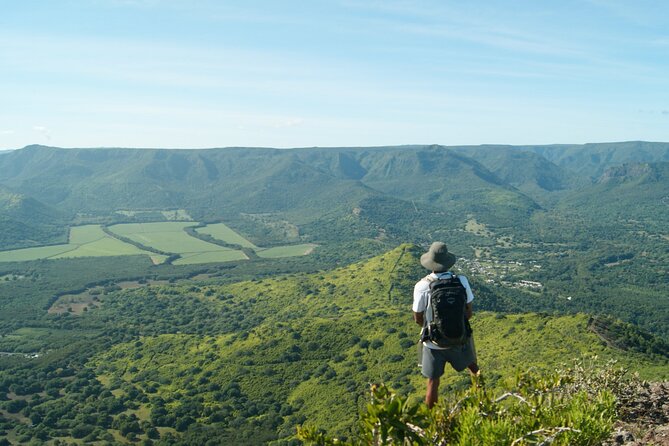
column 442, row 305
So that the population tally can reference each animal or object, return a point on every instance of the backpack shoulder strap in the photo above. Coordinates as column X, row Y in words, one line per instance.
column 430, row 279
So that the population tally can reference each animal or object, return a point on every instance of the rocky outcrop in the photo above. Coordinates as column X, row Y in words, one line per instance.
column 643, row 416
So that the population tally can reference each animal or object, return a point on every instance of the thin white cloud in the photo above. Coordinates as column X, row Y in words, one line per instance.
column 6, row 132
column 45, row 132
column 288, row 122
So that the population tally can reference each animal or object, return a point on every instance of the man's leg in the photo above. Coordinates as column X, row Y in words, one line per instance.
column 473, row 367
column 433, row 368
column 432, row 394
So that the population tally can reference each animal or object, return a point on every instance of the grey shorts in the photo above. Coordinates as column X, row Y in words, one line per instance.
column 434, row 360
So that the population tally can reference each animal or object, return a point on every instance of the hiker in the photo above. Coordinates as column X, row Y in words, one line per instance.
column 445, row 337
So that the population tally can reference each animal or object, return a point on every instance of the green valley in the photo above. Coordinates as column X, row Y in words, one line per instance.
column 231, row 295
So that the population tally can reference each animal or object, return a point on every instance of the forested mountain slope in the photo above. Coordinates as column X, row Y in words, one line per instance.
column 529, row 172
column 202, row 181
column 593, row 159
column 25, row 221
column 250, row 180
column 494, row 182
column 633, row 191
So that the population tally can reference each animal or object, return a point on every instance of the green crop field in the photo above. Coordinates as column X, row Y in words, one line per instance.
column 170, row 237
column 211, row 257
column 286, row 251
column 42, row 252
column 128, row 229
column 81, row 235
column 165, row 236
column 91, row 241
column 106, row 246
column 224, row 233
column 85, row 241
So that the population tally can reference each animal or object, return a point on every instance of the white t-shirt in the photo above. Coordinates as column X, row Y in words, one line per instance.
column 421, row 294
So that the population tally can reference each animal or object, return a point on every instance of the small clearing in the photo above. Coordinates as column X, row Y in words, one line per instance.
column 75, row 304
column 474, row 227
column 177, row 215
column 133, row 284
column 11, row 278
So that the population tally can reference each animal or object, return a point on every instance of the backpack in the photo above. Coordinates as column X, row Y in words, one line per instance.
column 449, row 326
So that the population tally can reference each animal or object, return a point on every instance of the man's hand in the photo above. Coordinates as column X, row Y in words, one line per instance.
column 418, row 317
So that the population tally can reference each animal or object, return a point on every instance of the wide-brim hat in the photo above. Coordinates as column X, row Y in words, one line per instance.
column 437, row 258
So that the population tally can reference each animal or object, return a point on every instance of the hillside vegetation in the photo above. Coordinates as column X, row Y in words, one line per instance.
column 592, row 216
column 249, row 361
column 212, row 336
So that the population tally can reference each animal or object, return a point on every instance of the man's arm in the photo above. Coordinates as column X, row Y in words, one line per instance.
column 419, row 318
column 468, row 311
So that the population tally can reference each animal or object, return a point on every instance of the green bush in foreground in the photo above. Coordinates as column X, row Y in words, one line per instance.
column 569, row 407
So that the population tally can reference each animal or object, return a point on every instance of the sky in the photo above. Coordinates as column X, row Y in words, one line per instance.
column 198, row 73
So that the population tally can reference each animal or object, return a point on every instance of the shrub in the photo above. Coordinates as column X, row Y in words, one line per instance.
column 407, row 343
column 550, row 408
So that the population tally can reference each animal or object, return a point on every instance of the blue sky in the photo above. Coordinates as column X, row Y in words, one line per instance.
column 149, row 73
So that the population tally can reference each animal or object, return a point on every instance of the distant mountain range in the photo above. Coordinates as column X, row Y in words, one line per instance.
column 496, row 184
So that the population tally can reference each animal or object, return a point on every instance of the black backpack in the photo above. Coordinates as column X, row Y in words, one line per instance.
column 449, row 326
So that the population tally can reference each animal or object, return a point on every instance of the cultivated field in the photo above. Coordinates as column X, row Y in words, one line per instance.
column 286, row 251
column 91, row 241
column 222, row 232
column 42, row 252
column 165, row 236
column 169, row 237
column 85, row 241
column 211, row 257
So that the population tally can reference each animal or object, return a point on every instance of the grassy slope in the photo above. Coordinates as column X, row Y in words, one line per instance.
column 316, row 341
